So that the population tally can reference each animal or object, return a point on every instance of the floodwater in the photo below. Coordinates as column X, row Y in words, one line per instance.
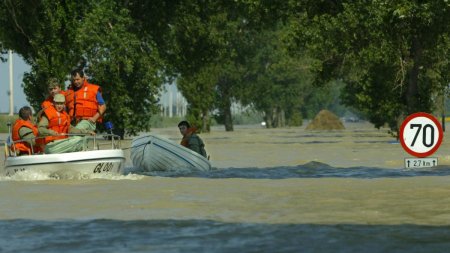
column 271, row 190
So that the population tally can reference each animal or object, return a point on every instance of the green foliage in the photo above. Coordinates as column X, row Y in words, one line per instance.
column 54, row 37
column 391, row 55
column 248, row 117
column 286, row 59
column 198, row 89
column 123, row 64
column 4, row 119
column 295, row 119
column 327, row 96
column 42, row 33
column 278, row 83
column 211, row 42
column 158, row 121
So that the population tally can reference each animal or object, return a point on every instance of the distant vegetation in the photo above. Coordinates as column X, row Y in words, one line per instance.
column 4, row 119
column 286, row 60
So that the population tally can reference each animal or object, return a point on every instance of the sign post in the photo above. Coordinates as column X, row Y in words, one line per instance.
column 421, row 135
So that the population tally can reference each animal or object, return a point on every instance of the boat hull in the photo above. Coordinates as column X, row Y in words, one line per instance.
column 85, row 162
column 153, row 153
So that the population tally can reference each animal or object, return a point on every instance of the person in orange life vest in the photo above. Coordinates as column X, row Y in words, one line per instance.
column 54, row 125
column 84, row 101
column 190, row 139
column 25, row 130
column 53, row 88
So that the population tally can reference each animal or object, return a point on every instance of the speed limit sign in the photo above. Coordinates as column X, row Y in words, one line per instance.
column 421, row 134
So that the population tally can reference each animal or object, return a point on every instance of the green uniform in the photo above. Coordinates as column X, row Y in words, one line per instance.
column 195, row 143
column 67, row 145
column 27, row 134
column 70, row 144
column 86, row 125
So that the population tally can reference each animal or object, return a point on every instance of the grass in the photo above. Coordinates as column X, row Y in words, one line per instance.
column 4, row 119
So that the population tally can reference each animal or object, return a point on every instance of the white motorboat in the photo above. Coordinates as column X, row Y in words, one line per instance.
column 92, row 160
column 153, row 153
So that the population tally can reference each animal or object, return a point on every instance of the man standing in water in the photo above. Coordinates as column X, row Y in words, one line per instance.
column 190, row 139
column 85, row 102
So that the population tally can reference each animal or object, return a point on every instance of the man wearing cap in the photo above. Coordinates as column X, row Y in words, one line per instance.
column 84, row 101
column 54, row 125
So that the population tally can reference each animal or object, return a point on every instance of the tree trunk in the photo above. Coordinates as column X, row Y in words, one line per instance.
column 281, row 118
column 228, row 121
column 206, row 128
column 224, row 88
column 412, row 89
column 443, row 111
column 269, row 118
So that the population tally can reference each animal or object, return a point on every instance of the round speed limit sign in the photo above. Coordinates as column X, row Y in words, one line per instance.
column 421, row 134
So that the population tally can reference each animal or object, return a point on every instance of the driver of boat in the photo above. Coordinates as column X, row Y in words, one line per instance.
column 190, row 139
column 55, row 126
column 25, row 130
column 85, row 102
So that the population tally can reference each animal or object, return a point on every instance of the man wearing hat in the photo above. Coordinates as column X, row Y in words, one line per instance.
column 54, row 125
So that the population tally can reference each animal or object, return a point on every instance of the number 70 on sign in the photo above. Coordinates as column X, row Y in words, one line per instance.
column 421, row 134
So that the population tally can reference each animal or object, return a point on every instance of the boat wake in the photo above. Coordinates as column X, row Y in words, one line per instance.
column 31, row 175
column 308, row 170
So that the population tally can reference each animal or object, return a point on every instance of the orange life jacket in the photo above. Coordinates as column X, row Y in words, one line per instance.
column 187, row 136
column 82, row 104
column 49, row 100
column 23, row 147
column 58, row 122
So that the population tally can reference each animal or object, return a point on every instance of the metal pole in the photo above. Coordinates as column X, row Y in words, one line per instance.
column 443, row 112
column 170, row 103
column 11, row 86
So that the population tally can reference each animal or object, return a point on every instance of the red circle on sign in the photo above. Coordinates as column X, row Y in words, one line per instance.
column 406, row 123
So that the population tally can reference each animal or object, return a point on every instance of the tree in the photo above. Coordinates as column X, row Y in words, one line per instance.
column 217, row 37
column 198, row 90
column 55, row 36
column 41, row 32
column 390, row 54
column 124, row 63
column 278, row 83
column 201, row 34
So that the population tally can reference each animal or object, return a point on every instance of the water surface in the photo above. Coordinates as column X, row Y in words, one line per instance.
column 271, row 190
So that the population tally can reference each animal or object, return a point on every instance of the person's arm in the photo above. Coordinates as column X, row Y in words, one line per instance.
column 27, row 134
column 43, row 127
column 101, row 108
